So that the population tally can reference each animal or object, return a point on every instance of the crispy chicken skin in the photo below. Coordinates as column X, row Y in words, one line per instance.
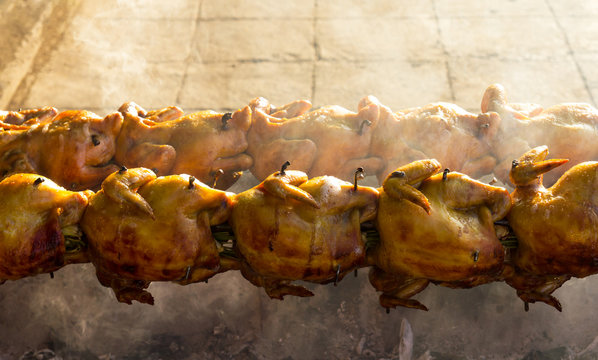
column 291, row 228
column 328, row 141
column 198, row 144
column 9, row 133
column 568, row 129
column 74, row 149
column 555, row 227
column 442, row 231
column 457, row 138
column 27, row 117
column 141, row 229
column 34, row 211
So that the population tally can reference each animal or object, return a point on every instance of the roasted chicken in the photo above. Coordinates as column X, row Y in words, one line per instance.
column 459, row 139
column 555, row 227
column 27, row 117
column 9, row 133
column 74, row 149
column 290, row 228
column 328, row 141
column 442, row 231
column 569, row 130
column 205, row 144
column 36, row 215
column 141, row 229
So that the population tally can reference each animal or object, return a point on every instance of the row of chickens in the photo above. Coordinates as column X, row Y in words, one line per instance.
column 78, row 149
column 421, row 226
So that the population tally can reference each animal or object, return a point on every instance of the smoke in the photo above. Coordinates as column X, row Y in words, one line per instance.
column 228, row 317
column 104, row 59
column 74, row 315
column 568, row 129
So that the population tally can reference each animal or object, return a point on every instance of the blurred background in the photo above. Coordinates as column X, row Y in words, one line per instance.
column 220, row 54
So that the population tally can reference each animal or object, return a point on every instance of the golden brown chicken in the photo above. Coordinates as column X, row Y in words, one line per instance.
column 74, row 149
column 555, row 227
column 9, row 133
column 459, row 139
column 27, row 117
column 141, row 229
column 441, row 232
column 36, row 215
column 199, row 144
column 569, row 130
column 328, row 141
column 290, row 228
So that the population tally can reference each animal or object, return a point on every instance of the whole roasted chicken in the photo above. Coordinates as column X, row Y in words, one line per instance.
column 74, row 149
column 290, row 228
column 441, row 231
column 141, row 229
column 205, row 144
column 555, row 227
column 569, row 130
column 38, row 226
column 459, row 139
column 328, row 141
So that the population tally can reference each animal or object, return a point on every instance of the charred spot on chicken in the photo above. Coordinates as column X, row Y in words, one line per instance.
column 225, row 118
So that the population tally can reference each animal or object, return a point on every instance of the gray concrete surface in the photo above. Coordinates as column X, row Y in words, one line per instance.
column 220, row 54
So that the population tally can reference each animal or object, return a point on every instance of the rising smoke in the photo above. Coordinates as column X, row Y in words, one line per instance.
column 230, row 318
